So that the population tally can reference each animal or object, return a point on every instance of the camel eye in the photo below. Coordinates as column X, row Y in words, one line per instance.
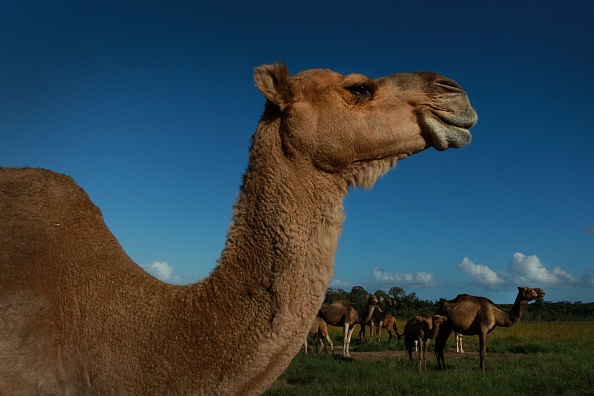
column 361, row 92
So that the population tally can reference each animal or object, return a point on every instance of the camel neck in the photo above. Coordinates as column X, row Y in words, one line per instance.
column 517, row 311
column 286, row 220
column 279, row 255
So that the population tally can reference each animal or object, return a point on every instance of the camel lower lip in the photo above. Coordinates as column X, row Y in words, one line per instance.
column 443, row 134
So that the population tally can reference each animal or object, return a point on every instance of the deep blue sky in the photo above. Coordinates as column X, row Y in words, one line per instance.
column 150, row 106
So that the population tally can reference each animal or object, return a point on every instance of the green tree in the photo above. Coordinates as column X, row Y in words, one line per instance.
column 358, row 296
column 335, row 294
column 539, row 305
column 382, row 294
column 397, row 293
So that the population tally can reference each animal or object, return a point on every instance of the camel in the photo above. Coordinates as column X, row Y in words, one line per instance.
column 459, row 348
column 343, row 313
column 320, row 330
column 362, row 335
column 389, row 323
column 377, row 322
column 378, row 319
column 471, row 315
column 78, row 316
column 421, row 330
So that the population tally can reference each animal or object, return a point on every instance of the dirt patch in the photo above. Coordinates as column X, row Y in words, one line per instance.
column 448, row 355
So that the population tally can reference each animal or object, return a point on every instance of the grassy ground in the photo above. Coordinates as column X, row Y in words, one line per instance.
column 548, row 358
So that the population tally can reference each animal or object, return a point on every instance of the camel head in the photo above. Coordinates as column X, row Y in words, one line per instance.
column 529, row 294
column 438, row 319
column 358, row 127
column 373, row 300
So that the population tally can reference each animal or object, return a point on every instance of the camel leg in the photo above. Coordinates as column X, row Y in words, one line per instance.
column 345, row 334
column 420, row 345
column 440, row 344
column 317, row 339
column 483, row 341
column 330, row 342
column 305, row 345
column 439, row 350
column 425, row 349
column 378, row 330
column 389, row 335
column 408, row 350
column 350, row 332
column 362, row 333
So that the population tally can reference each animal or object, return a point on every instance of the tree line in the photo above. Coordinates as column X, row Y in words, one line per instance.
column 408, row 305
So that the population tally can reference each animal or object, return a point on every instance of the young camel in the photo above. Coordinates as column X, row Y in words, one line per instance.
column 389, row 323
column 320, row 330
column 343, row 313
column 421, row 330
column 470, row 315
column 78, row 316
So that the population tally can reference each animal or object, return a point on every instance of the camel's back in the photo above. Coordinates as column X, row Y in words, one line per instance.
column 64, row 280
column 43, row 215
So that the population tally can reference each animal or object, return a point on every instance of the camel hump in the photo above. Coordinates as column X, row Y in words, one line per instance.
column 42, row 211
column 40, row 193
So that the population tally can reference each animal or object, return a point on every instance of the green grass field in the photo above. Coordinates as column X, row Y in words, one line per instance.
column 530, row 358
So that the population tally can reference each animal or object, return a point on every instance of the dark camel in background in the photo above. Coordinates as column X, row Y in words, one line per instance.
column 471, row 315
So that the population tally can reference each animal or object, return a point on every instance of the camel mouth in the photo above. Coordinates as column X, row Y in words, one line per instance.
column 539, row 292
column 445, row 129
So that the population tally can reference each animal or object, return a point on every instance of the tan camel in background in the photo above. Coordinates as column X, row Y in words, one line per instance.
column 78, row 316
column 471, row 315
column 389, row 323
column 421, row 330
column 343, row 314
column 319, row 329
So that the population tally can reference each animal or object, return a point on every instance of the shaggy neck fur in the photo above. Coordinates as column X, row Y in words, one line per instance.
column 298, row 212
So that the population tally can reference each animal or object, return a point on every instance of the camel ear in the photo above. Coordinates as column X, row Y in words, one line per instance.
column 274, row 82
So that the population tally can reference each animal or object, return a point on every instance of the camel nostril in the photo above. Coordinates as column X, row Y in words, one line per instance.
column 449, row 85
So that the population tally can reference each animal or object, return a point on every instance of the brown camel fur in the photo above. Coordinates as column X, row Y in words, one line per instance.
column 319, row 329
column 422, row 330
column 470, row 315
column 343, row 313
column 78, row 316
column 389, row 323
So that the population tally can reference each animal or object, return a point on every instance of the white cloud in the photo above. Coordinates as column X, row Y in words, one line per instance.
column 160, row 270
column 417, row 279
column 480, row 274
column 529, row 269
column 524, row 271
column 338, row 284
